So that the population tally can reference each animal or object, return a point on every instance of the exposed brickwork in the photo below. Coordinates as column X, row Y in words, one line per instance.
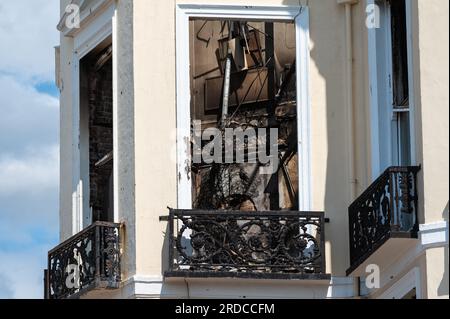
column 100, row 138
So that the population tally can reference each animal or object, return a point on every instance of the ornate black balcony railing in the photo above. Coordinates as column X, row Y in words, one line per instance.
column 388, row 208
column 281, row 244
column 88, row 260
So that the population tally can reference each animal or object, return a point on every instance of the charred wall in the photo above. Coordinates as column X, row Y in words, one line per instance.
column 100, row 136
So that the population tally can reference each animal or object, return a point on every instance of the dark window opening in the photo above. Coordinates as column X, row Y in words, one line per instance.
column 399, row 54
column 97, row 130
column 411, row 295
column 243, row 76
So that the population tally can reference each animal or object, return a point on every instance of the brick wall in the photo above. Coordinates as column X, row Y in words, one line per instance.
column 100, row 139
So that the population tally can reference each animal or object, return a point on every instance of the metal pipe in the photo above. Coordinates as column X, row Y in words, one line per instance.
column 349, row 97
column 350, row 110
column 226, row 89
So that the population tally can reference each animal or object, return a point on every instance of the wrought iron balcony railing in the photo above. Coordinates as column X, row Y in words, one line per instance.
column 88, row 260
column 387, row 209
column 280, row 245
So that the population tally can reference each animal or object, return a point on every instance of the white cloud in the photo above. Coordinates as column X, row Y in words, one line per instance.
column 5, row 287
column 28, row 145
column 28, row 33
column 29, row 154
column 28, row 117
column 23, row 273
column 34, row 172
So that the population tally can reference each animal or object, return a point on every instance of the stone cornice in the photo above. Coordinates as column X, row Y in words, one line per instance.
column 87, row 14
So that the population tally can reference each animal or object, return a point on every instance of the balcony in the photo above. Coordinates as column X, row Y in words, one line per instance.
column 87, row 261
column 384, row 220
column 236, row 244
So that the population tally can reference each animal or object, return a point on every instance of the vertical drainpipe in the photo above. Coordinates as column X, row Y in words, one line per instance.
column 349, row 95
column 350, row 109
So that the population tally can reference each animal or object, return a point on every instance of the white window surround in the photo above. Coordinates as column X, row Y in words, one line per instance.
column 85, row 39
column 272, row 13
column 374, row 87
column 404, row 286
column 434, row 235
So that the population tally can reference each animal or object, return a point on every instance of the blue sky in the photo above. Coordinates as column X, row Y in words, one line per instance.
column 29, row 150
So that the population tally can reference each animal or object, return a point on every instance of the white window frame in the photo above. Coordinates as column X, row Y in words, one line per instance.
column 375, row 86
column 85, row 40
column 273, row 13
column 404, row 286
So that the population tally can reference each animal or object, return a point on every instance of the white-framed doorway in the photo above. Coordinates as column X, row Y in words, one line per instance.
column 85, row 40
column 386, row 140
column 300, row 15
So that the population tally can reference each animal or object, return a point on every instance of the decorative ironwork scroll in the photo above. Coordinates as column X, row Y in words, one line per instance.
column 246, row 242
column 389, row 205
column 90, row 258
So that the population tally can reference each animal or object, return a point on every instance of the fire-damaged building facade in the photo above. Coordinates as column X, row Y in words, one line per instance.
column 285, row 149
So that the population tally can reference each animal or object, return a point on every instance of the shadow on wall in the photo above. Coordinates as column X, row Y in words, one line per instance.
column 443, row 287
column 327, row 38
column 165, row 250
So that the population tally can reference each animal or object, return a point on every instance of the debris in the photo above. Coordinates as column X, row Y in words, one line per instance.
column 249, row 89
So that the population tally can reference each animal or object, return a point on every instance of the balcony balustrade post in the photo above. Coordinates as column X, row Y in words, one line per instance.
column 171, row 240
column 395, row 196
column 98, row 253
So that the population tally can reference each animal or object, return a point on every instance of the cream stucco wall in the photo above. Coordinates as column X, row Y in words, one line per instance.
column 437, row 273
column 155, row 128
column 432, row 103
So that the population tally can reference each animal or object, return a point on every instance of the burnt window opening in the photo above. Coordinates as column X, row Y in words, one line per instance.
column 243, row 76
column 400, row 82
column 96, row 130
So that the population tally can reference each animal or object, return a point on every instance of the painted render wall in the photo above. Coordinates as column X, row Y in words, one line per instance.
column 126, row 144
column 437, row 273
column 155, row 128
column 431, row 90
column 65, row 139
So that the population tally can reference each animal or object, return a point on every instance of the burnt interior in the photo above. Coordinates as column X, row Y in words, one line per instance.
column 96, row 68
column 243, row 75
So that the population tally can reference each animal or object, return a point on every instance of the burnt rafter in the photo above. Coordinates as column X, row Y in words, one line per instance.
column 387, row 208
column 259, row 244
